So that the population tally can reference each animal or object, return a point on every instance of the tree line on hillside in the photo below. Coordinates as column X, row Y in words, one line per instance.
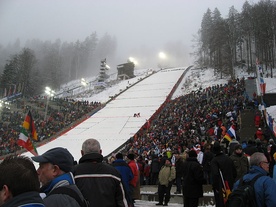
column 46, row 63
column 241, row 39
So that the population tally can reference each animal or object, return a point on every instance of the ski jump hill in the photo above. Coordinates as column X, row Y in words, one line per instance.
column 115, row 123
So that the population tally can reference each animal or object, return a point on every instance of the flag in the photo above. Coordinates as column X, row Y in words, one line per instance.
column 230, row 133
column 226, row 191
column 24, row 138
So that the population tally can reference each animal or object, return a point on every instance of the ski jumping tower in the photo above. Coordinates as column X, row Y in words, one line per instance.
column 125, row 71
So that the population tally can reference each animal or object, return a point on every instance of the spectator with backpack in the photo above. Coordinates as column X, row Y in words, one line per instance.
column 57, row 181
column 264, row 186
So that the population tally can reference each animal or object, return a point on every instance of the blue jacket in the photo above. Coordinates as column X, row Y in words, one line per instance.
column 265, row 187
column 125, row 172
column 29, row 199
column 60, row 200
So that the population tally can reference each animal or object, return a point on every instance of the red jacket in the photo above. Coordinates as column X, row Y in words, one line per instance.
column 135, row 170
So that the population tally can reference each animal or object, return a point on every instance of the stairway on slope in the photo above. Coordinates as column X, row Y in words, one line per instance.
column 247, row 125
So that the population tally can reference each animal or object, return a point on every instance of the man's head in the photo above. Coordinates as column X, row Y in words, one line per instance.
column 53, row 163
column 119, row 156
column 17, row 175
column 238, row 149
column 168, row 162
column 259, row 159
column 192, row 153
column 131, row 156
column 91, row 146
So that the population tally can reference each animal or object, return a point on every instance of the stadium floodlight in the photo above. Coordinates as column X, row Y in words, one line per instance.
column 84, row 82
column 162, row 55
column 50, row 93
column 133, row 60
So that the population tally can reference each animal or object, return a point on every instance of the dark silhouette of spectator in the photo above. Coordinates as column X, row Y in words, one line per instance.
column 206, row 163
column 19, row 183
column 155, row 167
column 193, row 180
column 221, row 165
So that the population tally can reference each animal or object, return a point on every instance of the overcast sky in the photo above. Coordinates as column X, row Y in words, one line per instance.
column 137, row 24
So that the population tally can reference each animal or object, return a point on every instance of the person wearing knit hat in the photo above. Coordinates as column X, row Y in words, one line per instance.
column 240, row 161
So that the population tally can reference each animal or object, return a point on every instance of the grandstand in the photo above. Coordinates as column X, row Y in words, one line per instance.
column 115, row 124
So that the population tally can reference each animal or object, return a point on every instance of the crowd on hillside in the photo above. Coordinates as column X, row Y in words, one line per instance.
column 61, row 113
column 194, row 122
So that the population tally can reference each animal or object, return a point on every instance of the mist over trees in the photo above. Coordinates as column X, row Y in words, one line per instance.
column 221, row 43
column 241, row 39
column 46, row 63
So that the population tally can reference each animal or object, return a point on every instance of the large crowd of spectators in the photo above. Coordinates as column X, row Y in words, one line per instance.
column 192, row 122
column 61, row 113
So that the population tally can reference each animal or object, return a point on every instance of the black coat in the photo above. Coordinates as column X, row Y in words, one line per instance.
column 193, row 178
column 100, row 183
column 226, row 166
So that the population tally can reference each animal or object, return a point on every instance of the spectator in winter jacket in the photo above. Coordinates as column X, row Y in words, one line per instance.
column 127, row 175
column 154, row 170
column 99, row 182
column 240, row 161
column 259, row 134
column 166, row 177
column 193, row 180
column 264, row 186
column 178, row 176
column 222, row 167
column 55, row 175
column 206, row 163
column 19, row 183
column 135, row 182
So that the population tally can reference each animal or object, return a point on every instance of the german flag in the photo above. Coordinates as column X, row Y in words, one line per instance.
column 24, row 140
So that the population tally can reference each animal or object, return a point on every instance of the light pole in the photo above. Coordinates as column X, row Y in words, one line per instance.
column 49, row 92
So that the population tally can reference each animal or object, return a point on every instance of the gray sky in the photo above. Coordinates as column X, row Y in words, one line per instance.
column 138, row 25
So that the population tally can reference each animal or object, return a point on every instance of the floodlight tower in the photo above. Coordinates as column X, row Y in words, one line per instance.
column 103, row 69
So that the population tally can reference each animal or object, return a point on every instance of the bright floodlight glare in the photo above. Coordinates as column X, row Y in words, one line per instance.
column 83, row 82
column 49, row 91
column 131, row 59
column 162, row 55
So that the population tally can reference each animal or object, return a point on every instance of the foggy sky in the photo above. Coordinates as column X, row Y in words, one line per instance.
column 138, row 25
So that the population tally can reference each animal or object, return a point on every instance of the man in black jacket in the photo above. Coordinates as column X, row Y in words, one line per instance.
column 193, row 179
column 99, row 182
column 222, row 169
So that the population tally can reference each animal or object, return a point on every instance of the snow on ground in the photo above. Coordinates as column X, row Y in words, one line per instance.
column 114, row 124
